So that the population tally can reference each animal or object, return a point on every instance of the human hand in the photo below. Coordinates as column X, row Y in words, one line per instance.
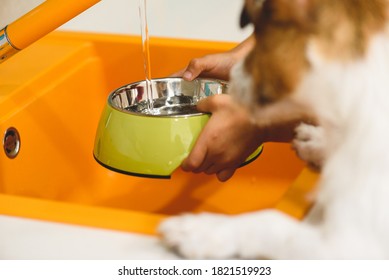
column 229, row 137
column 217, row 65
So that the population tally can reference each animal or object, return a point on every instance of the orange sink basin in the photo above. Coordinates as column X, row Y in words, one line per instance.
column 53, row 94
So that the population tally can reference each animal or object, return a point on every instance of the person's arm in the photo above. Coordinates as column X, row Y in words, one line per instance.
column 231, row 134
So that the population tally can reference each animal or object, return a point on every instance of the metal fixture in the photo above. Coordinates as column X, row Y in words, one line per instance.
column 6, row 48
column 11, row 142
column 37, row 23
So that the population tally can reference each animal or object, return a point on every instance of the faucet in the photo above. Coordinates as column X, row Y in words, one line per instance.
column 37, row 23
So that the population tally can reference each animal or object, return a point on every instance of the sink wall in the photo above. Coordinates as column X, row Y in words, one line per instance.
column 53, row 94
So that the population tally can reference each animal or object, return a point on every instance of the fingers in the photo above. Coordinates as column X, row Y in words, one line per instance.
column 206, row 104
column 196, row 157
column 199, row 161
column 213, row 153
column 222, row 173
column 213, row 103
column 226, row 174
column 179, row 73
column 195, row 68
column 185, row 74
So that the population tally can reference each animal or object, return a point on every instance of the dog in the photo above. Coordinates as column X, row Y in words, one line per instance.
column 331, row 58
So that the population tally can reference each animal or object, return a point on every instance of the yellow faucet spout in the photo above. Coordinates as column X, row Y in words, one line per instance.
column 37, row 23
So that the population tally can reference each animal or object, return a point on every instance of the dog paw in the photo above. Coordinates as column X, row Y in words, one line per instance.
column 309, row 144
column 200, row 236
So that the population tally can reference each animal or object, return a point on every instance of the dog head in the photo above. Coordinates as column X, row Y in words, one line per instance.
column 278, row 60
column 295, row 37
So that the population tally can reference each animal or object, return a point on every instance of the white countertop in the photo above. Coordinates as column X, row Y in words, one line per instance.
column 25, row 239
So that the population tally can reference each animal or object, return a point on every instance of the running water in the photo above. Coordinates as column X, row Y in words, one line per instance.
column 146, row 54
column 176, row 105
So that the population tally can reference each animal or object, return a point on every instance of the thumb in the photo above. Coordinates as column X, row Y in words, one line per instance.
column 195, row 68
column 225, row 175
column 179, row 73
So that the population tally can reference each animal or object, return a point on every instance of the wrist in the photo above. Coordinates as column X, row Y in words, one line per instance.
column 241, row 51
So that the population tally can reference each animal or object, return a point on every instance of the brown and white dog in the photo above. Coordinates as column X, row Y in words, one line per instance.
column 331, row 58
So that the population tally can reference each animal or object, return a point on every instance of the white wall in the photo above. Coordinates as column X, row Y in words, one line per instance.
column 12, row 9
column 197, row 19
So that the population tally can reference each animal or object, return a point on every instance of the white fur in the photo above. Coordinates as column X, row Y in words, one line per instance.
column 350, row 219
column 241, row 84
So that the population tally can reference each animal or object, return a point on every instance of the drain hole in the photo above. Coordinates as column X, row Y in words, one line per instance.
column 11, row 142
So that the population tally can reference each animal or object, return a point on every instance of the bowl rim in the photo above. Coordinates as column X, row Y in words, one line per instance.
column 110, row 102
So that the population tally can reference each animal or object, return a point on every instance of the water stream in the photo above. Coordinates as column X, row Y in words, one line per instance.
column 146, row 54
column 171, row 105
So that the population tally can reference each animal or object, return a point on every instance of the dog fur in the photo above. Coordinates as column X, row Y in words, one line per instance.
column 329, row 58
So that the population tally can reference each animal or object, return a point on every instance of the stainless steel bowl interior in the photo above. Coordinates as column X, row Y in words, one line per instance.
column 171, row 96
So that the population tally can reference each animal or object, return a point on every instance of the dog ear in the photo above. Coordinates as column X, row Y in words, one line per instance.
column 250, row 11
column 244, row 18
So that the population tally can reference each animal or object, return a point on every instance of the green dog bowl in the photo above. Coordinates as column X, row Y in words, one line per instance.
column 137, row 139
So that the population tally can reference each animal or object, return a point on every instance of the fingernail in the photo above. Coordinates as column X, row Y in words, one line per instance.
column 187, row 75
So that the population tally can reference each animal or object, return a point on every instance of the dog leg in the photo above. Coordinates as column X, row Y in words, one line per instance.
column 201, row 236
column 267, row 234
column 264, row 234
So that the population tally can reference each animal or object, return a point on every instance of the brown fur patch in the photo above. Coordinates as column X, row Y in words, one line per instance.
column 344, row 28
column 341, row 30
column 278, row 58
